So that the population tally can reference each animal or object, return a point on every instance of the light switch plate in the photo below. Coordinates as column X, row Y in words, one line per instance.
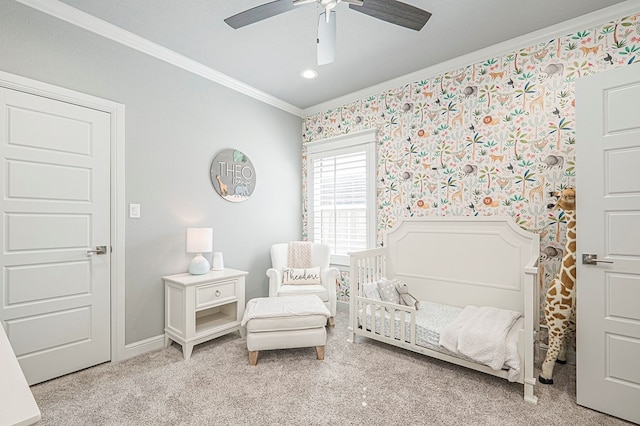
column 134, row 211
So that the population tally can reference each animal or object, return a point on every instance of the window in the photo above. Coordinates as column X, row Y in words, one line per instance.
column 341, row 194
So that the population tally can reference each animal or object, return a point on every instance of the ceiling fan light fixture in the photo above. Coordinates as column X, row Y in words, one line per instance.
column 309, row 74
column 326, row 42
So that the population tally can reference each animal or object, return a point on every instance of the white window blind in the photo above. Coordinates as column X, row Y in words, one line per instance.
column 340, row 181
column 340, row 202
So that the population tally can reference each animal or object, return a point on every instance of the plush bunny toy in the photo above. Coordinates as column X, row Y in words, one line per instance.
column 405, row 297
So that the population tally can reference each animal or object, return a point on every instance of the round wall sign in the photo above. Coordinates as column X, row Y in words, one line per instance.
column 233, row 175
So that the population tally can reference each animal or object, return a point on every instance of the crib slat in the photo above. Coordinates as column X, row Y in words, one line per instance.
column 413, row 328
column 392, row 324
column 365, row 316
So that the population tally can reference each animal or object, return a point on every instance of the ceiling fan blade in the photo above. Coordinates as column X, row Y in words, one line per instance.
column 259, row 13
column 395, row 12
column 354, row 2
column 326, row 38
column 300, row 2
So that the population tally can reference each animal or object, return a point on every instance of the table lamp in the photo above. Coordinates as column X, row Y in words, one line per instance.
column 199, row 240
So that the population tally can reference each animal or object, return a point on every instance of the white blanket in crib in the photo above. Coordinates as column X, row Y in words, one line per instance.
column 480, row 333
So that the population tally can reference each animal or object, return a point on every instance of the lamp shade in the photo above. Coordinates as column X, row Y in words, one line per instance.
column 199, row 240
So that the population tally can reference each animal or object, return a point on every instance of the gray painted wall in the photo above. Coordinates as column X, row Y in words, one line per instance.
column 176, row 122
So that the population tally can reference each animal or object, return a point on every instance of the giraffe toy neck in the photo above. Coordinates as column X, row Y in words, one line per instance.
column 568, row 267
column 571, row 230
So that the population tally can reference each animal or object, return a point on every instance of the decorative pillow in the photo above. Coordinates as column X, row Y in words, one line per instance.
column 301, row 276
column 370, row 291
column 388, row 292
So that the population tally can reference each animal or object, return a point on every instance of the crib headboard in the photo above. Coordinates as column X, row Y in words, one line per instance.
column 463, row 260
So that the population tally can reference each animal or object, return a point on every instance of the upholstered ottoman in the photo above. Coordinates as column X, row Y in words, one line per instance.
column 285, row 322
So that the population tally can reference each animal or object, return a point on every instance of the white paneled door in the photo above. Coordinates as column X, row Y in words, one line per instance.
column 608, row 228
column 55, row 174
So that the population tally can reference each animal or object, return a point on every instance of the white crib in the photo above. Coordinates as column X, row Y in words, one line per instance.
column 456, row 261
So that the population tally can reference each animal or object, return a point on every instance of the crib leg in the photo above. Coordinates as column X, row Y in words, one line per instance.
column 528, row 391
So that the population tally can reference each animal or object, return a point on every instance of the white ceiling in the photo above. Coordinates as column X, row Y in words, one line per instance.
column 269, row 55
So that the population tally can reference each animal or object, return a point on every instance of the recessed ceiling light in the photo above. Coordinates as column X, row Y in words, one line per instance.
column 309, row 74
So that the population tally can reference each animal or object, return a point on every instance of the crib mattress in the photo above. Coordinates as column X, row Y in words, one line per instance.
column 431, row 320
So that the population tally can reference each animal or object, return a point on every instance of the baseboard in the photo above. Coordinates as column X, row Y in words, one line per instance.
column 143, row 346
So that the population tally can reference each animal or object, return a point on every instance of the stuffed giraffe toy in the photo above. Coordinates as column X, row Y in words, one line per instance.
column 560, row 307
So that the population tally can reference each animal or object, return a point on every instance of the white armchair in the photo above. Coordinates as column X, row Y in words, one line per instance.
column 320, row 256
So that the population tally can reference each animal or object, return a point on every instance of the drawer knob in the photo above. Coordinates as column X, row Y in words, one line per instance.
column 218, row 293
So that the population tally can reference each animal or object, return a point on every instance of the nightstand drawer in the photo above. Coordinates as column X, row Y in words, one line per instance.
column 208, row 295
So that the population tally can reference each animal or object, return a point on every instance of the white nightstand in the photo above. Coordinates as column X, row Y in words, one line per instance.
column 202, row 307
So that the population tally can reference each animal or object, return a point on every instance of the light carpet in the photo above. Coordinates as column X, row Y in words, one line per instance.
column 366, row 383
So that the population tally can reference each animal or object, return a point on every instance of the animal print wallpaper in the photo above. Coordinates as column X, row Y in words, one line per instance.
column 491, row 138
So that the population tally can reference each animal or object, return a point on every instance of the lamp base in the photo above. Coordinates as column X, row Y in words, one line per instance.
column 199, row 265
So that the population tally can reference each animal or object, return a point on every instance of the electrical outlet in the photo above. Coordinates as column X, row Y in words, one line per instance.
column 134, row 211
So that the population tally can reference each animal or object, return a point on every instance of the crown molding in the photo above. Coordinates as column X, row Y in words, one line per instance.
column 625, row 8
column 98, row 26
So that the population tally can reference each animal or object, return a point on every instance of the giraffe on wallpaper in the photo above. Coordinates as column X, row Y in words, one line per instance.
column 559, row 306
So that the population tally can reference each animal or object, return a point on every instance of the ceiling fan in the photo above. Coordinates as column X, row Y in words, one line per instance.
column 392, row 11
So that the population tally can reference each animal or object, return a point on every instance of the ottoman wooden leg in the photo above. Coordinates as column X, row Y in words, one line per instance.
column 253, row 357
column 331, row 323
column 320, row 352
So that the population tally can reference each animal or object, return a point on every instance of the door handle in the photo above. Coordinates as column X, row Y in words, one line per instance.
column 98, row 250
column 592, row 259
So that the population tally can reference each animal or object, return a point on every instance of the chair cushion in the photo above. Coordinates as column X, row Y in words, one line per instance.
column 293, row 290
